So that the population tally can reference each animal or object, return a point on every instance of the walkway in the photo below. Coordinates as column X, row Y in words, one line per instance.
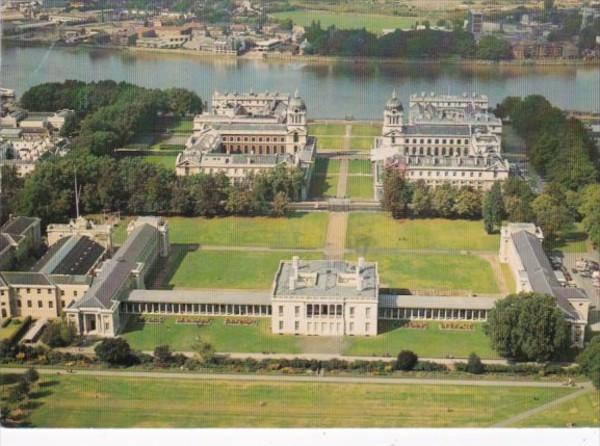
column 336, row 235
column 585, row 388
column 492, row 259
column 342, row 179
column 295, row 378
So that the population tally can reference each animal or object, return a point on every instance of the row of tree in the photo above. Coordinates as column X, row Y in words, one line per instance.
column 136, row 187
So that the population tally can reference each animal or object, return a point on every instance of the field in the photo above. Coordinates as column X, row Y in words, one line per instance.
column 359, row 167
column 366, row 130
column 572, row 241
column 10, row 329
column 379, row 230
column 118, row 402
column 167, row 161
column 428, row 343
column 299, row 230
column 325, row 178
column 360, row 187
column 181, row 337
column 436, row 272
column 508, row 277
column 581, row 411
column 229, row 269
column 372, row 22
column 327, row 129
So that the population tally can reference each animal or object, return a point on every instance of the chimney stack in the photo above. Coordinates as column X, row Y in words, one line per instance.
column 292, row 283
column 295, row 266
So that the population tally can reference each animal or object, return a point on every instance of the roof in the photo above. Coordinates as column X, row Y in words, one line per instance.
column 70, row 255
column 17, row 278
column 326, row 278
column 201, row 296
column 540, row 273
column 438, row 130
column 70, row 279
column 18, row 225
column 455, row 303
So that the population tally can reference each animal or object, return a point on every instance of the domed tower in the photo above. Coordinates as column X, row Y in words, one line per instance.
column 296, row 111
column 393, row 115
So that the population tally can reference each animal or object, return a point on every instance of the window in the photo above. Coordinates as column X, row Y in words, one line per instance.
column 40, row 304
column 367, row 327
column 62, row 292
column 74, row 293
column 297, row 325
column 19, row 303
column 367, row 312
column 297, row 311
column 28, row 304
column 351, row 327
column 62, row 304
column 280, row 310
column 351, row 311
column 50, row 304
column 281, row 325
column 39, row 291
column 106, row 326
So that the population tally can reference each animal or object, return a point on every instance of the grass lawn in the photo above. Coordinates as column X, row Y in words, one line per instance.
column 380, row 230
column 167, row 161
column 324, row 186
column 372, row 22
column 182, row 126
column 299, row 230
column 330, row 142
column 360, row 187
column 366, row 130
column 362, row 167
column 324, row 166
column 10, row 329
column 362, row 143
column 583, row 411
column 120, row 402
column 428, row 343
column 225, row 338
column 436, row 272
column 572, row 241
column 119, row 234
column 327, row 129
column 229, row 269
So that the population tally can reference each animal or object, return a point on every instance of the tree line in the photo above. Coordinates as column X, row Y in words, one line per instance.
column 108, row 114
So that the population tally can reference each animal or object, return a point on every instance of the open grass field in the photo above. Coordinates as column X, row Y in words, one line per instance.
column 10, row 329
column 366, row 130
column 225, row 338
column 325, row 178
column 298, row 230
column 573, row 241
column 372, row 22
column 431, row 342
column 380, row 230
column 359, row 167
column 333, row 143
column 119, row 402
column 361, row 143
column 436, row 272
column 327, row 129
column 229, row 269
column 360, row 187
column 167, row 161
column 508, row 277
column 583, row 411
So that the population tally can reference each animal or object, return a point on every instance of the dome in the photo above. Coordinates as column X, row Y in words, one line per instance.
column 394, row 103
column 297, row 102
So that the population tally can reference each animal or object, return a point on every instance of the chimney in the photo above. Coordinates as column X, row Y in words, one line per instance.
column 361, row 264
column 295, row 266
column 359, row 281
column 292, row 283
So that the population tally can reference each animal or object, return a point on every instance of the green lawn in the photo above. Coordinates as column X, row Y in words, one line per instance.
column 583, row 411
column 10, row 329
column 324, row 166
column 372, row 22
column 325, row 178
column 330, row 142
column 435, row 272
column 431, row 342
column 122, row 402
column 366, row 130
column 327, row 129
column 363, row 143
column 167, row 161
column 362, row 167
column 572, row 241
column 182, row 126
column 360, row 187
column 225, row 338
column 508, row 277
column 229, row 269
column 299, row 230
column 380, row 230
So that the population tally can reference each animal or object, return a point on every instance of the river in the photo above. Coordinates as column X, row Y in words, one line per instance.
column 331, row 90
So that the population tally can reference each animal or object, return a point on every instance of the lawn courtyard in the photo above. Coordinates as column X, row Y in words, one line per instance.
column 81, row 401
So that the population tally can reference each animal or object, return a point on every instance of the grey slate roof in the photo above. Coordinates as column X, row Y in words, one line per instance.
column 438, row 130
column 201, row 296
column 540, row 272
column 457, row 303
column 70, row 255
column 18, row 225
column 16, row 278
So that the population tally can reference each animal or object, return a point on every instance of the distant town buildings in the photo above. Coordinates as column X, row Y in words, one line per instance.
column 249, row 133
column 447, row 140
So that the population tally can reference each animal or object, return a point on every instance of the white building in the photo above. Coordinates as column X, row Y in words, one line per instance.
column 447, row 139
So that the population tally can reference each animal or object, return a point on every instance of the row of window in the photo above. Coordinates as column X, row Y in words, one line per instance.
column 434, row 151
column 413, row 173
column 432, row 313
column 268, row 150
column 324, row 327
column 214, row 309
column 324, row 310
column 255, row 139
column 436, row 141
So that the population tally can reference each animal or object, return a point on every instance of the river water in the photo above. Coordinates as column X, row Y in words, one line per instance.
column 331, row 90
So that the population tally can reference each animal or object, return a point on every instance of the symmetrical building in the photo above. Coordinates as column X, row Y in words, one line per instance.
column 447, row 140
column 249, row 133
column 521, row 248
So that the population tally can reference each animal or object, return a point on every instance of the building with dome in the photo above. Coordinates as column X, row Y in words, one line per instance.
column 249, row 132
column 446, row 139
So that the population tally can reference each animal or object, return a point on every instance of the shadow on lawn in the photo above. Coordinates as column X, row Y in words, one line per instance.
column 387, row 326
column 166, row 268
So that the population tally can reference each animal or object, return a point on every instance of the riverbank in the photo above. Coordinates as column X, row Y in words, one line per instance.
column 318, row 59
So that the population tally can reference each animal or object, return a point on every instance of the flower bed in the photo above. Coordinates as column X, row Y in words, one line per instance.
column 240, row 321
column 416, row 325
column 151, row 319
column 194, row 320
column 455, row 325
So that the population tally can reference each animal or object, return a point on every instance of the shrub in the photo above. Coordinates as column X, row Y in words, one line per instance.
column 114, row 351
column 589, row 361
column 474, row 365
column 59, row 333
column 31, row 375
column 406, row 360
column 428, row 366
column 162, row 354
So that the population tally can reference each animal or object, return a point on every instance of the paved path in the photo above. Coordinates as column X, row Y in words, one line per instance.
column 342, row 179
column 585, row 388
column 291, row 378
column 336, row 235
column 347, row 135
column 492, row 259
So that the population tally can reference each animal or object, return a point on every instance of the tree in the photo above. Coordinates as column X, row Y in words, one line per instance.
column 396, row 193
column 406, row 360
column 551, row 214
column 474, row 365
column 467, row 203
column 590, row 211
column 18, row 392
column 59, row 333
column 443, row 200
column 31, row 375
column 493, row 48
column 162, row 354
column 114, row 351
column 528, row 327
column 280, row 205
column 421, row 199
column 493, row 208
column 204, row 351
column 589, row 361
